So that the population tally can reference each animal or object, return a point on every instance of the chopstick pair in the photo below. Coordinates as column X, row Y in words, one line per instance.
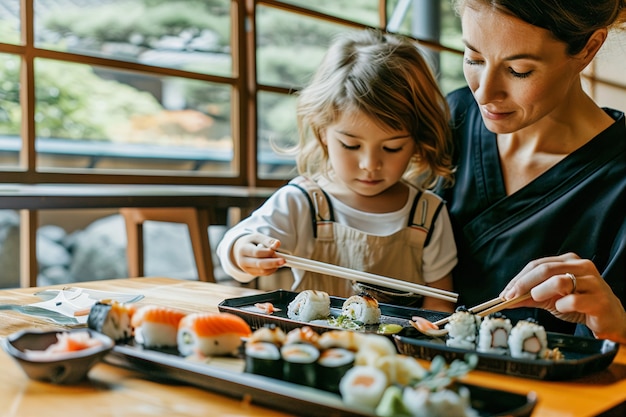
column 366, row 277
column 489, row 307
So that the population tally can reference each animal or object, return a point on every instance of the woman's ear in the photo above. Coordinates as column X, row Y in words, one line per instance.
column 592, row 47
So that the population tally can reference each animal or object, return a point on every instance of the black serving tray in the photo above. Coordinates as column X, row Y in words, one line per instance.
column 285, row 396
column 244, row 308
column 583, row 356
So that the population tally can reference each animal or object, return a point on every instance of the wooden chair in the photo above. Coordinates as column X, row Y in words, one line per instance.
column 197, row 221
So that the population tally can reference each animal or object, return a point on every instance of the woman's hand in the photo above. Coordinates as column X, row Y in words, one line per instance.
column 572, row 289
column 256, row 254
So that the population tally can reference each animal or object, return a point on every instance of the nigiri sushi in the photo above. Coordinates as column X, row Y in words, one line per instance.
column 211, row 334
column 156, row 326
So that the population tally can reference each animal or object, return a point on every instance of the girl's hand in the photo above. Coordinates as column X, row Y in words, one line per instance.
column 256, row 254
column 572, row 289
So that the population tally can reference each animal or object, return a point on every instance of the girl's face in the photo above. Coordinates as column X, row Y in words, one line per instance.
column 519, row 74
column 366, row 158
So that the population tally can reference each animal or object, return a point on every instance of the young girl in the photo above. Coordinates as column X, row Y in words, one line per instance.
column 373, row 137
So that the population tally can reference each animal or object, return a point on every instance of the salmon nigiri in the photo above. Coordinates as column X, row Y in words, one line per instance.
column 156, row 326
column 211, row 334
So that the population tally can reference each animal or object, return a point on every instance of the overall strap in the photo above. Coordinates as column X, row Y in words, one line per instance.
column 322, row 215
column 426, row 208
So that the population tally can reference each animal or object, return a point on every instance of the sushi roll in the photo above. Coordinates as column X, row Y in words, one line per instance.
column 309, row 305
column 263, row 358
column 112, row 319
column 401, row 369
column 303, row 334
column 340, row 338
column 528, row 340
column 361, row 308
column 372, row 347
column 362, row 387
column 299, row 363
column 270, row 334
column 462, row 329
column 211, row 334
column 493, row 334
column 332, row 365
column 156, row 326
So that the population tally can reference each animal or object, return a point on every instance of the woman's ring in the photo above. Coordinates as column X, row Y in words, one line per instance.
column 573, row 278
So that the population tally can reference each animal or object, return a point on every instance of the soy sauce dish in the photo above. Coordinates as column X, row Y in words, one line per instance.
column 60, row 356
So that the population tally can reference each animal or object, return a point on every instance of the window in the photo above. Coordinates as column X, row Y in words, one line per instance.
column 186, row 91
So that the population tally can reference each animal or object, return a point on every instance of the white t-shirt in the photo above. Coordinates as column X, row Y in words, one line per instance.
column 286, row 216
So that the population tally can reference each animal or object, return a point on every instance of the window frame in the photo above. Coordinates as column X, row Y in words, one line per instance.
column 243, row 82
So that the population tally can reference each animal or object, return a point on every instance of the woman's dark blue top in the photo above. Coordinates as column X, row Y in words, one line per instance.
column 578, row 205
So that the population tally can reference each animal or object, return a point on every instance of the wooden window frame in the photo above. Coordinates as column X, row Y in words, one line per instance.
column 243, row 81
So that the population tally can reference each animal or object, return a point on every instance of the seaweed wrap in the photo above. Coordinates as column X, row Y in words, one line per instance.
column 332, row 365
column 263, row 358
column 112, row 319
column 299, row 363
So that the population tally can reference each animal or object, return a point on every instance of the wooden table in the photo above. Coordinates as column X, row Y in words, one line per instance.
column 113, row 391
column 29, row 199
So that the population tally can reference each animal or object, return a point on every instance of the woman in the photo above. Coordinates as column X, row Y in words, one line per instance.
column 541, row 168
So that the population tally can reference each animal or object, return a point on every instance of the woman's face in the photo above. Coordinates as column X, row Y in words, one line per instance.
column 518, row 73
column 367, row 159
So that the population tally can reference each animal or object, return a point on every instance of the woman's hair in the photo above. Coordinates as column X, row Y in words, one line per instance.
column 386, row 78
column 570, row 21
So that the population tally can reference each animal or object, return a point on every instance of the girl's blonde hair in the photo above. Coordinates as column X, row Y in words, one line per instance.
column 385, row 77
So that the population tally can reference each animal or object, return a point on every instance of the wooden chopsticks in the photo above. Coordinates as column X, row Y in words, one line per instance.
column 369, row 278
column 489, row 307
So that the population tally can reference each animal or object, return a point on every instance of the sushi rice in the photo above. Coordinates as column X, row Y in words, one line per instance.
column 361, row 308
column 528, row 340
column 309, row 305
column 493, row 335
